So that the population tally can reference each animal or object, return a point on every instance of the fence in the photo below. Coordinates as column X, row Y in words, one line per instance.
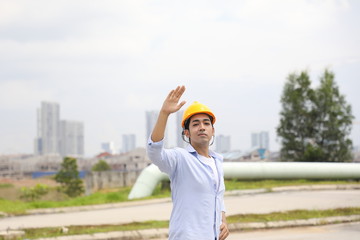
column 95, row 181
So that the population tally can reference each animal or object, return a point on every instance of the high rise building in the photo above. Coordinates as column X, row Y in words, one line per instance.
column 254, row 140
column 128, row 142
column 55, row 136
column 151, row 118
column 71, row 138
column 260, row 140
column 108, row 147
column 222, row 144
column 179, row 141
column 48, row 119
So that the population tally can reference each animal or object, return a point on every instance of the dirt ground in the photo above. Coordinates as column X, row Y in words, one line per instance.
column 13, row 192
column 28, row 182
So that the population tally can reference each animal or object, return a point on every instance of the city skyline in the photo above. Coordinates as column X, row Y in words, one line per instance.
column 256, row 139
column 109, row 63
column 260, row 140
column 71, row 138
column 48, row 129
column 223, row 144
column 55, row 136
column 64, row 137
column 128, row 142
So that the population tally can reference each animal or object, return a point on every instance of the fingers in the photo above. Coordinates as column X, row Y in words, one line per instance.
column 177, row 93
column 180, row 105
column 171, row 103
column 224, row 232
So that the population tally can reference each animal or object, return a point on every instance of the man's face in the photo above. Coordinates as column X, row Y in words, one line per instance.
column 200, row 129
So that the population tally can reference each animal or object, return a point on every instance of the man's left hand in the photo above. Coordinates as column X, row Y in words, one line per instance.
column 224, row 231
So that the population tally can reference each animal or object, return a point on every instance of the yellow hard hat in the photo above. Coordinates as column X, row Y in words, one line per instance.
column 196, row 108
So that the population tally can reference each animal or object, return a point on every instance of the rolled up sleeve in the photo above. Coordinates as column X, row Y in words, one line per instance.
column 165, row 159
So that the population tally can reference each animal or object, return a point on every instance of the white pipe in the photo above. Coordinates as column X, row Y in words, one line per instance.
column 145, row 184
column 291, row 170
column 151, row 175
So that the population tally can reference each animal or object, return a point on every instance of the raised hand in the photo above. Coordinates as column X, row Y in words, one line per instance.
column 171, row 103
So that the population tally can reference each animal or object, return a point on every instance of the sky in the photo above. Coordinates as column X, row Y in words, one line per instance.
column 108, row 62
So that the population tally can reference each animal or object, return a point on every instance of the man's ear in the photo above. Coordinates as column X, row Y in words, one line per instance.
column 187, row 133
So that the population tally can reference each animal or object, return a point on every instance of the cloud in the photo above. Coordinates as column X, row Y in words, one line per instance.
column 108, row 62
column 21, row 94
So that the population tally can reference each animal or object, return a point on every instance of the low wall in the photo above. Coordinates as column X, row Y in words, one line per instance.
column 95, row 181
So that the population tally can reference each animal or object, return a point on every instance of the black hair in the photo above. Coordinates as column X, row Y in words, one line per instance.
column 187, row 121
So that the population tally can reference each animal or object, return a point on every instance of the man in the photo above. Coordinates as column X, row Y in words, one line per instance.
column 196, row 175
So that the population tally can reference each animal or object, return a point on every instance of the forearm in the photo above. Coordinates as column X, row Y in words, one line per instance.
column 160, row 126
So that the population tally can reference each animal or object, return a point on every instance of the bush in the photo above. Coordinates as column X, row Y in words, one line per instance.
column 101, row 165
column 34, row 193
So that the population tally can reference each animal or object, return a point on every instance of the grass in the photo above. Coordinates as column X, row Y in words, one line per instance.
column 293, row 215
column 6, row 185
column 120, row 195
column 34, row 233
column 243, row 218
column 234, row 184
column 19, row 207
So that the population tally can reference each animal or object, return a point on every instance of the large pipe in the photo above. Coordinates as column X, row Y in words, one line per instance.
column 291, row 170
column 151, row 175
column 145, row 184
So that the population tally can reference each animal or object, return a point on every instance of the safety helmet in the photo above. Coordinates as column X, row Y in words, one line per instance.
column 196, row 108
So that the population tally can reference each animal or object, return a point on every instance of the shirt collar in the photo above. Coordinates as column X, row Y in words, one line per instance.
column 192, row 150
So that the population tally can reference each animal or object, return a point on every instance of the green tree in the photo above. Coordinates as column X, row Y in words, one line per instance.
column 101, row 165
column 69, row 178
column 314, row 124
column 333, row 121
column 295, row 129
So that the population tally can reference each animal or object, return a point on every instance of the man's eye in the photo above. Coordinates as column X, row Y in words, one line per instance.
column 195, row 124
